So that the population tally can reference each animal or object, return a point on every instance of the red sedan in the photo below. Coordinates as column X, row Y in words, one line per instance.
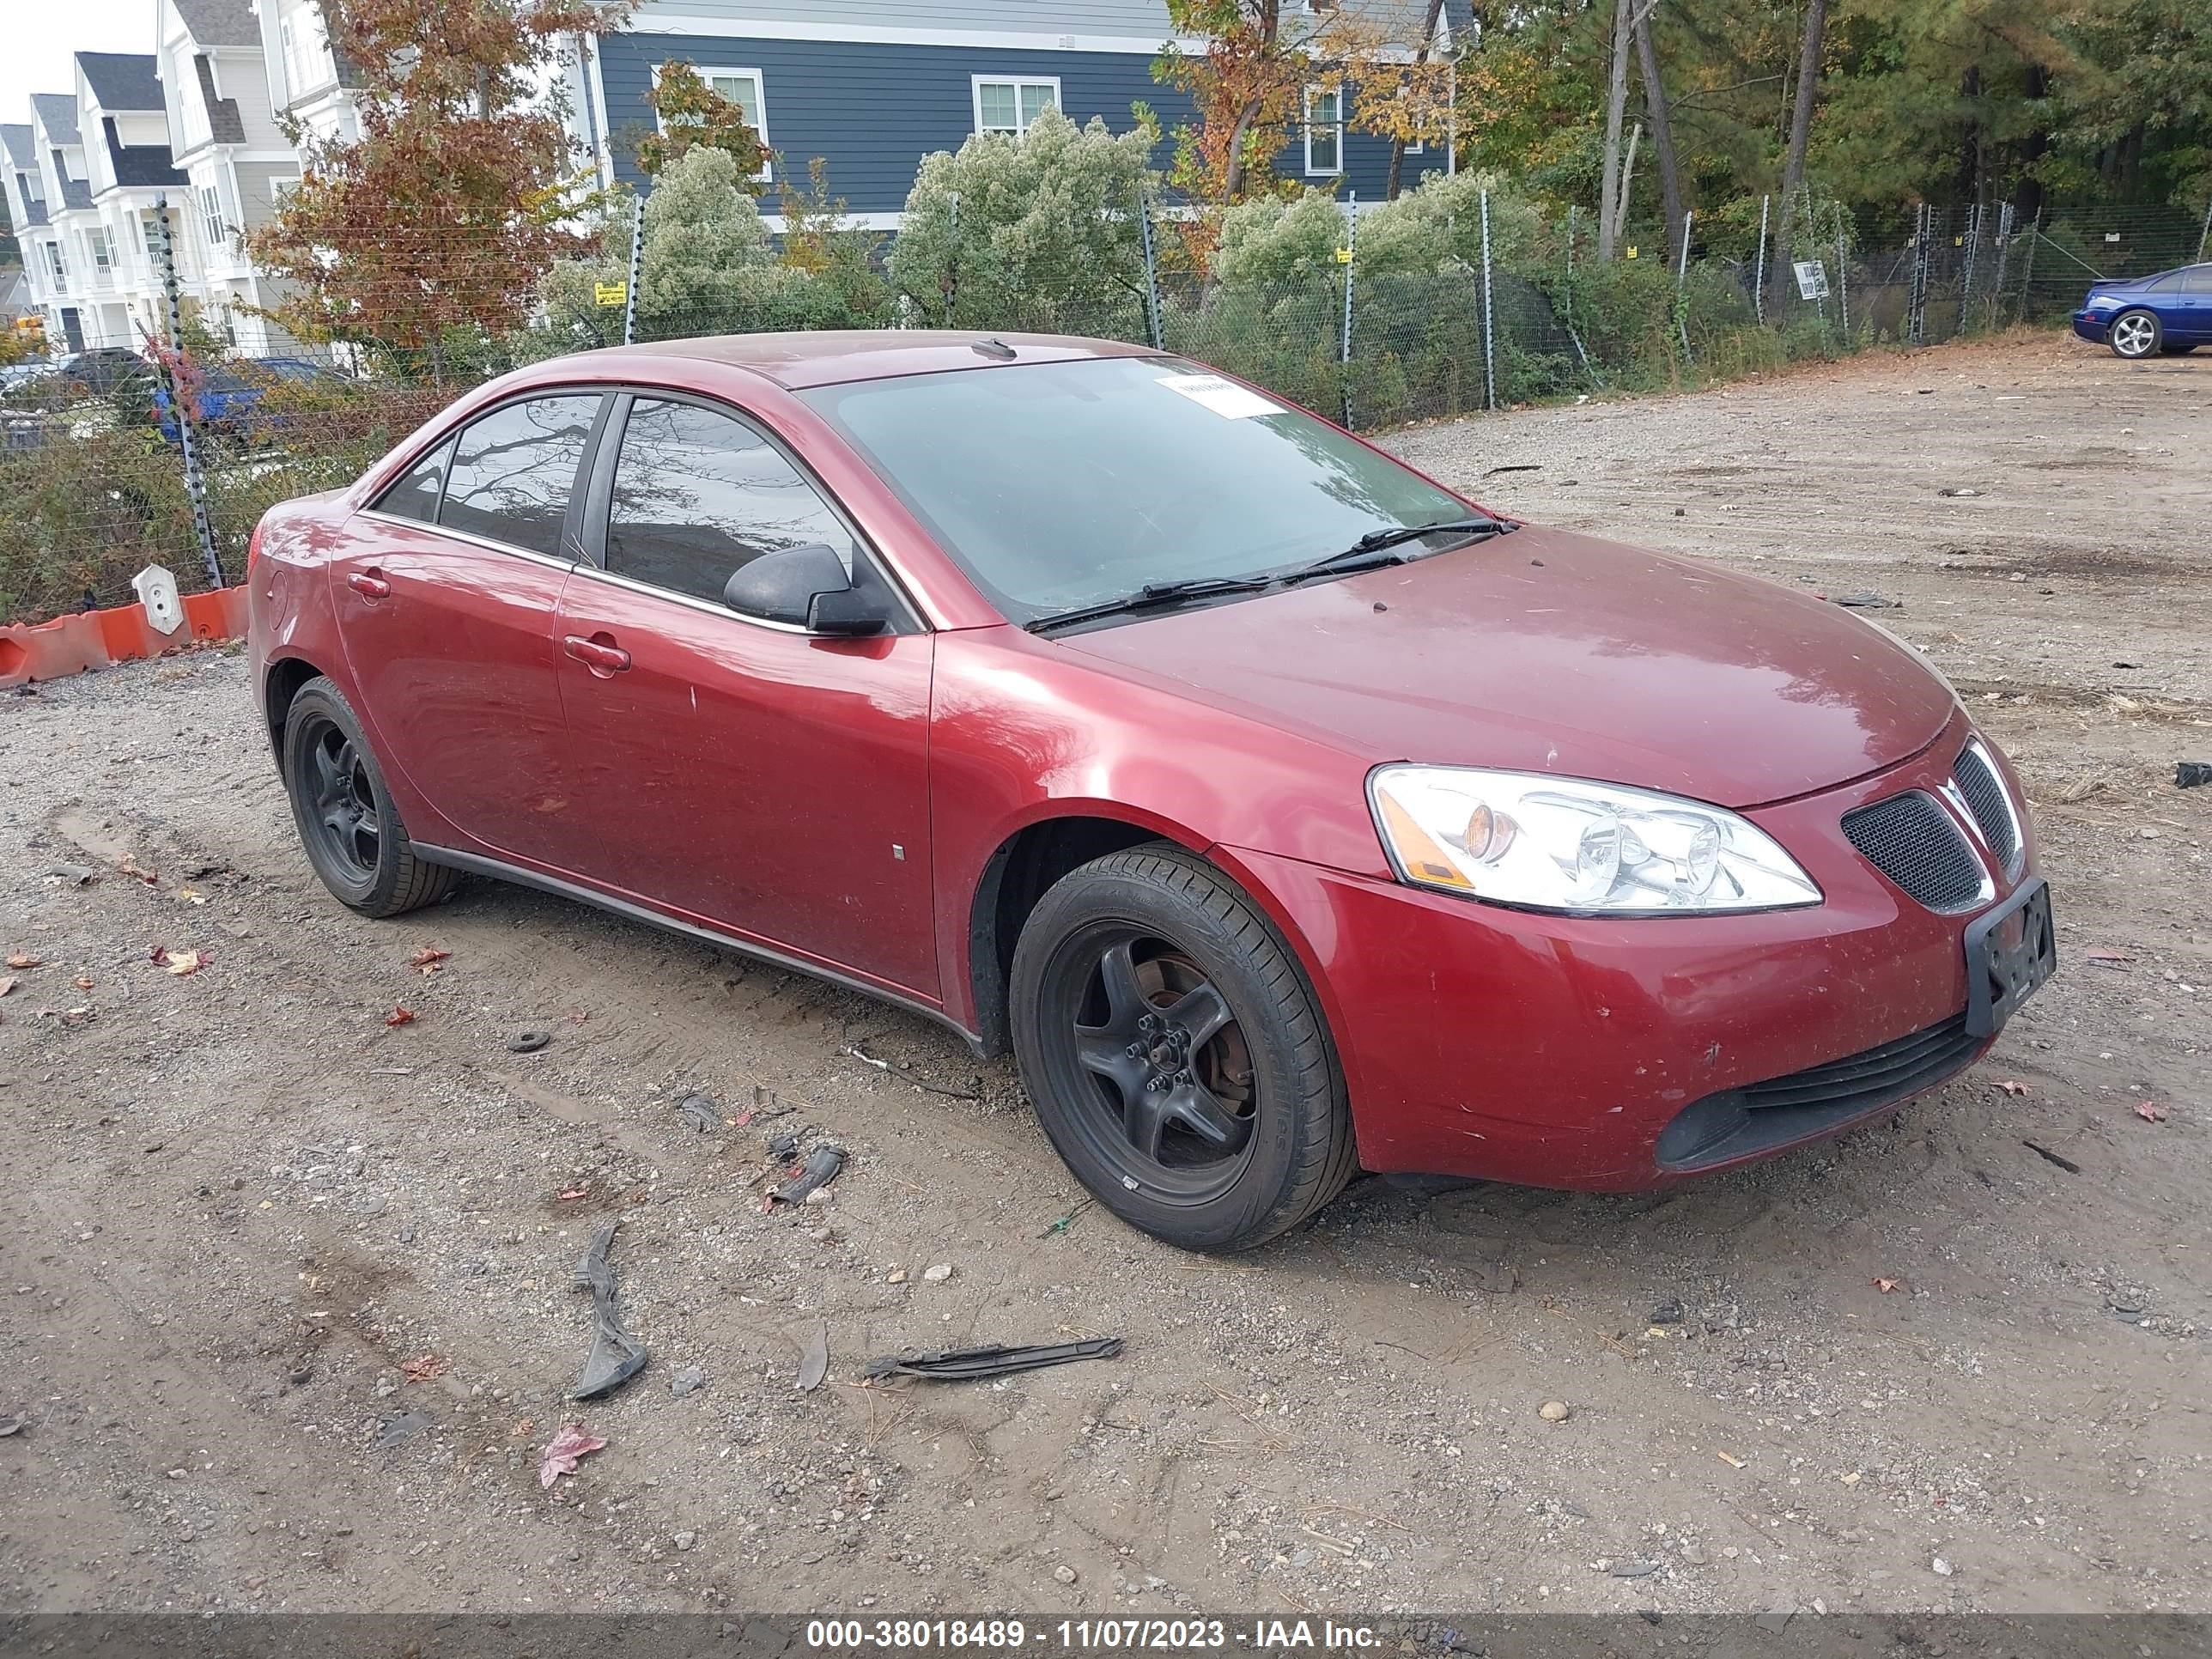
column 1282, row 811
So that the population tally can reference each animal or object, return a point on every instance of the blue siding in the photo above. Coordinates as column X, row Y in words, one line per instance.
column 873, row 110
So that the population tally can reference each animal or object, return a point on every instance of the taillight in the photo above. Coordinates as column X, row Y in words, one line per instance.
column 252, row 551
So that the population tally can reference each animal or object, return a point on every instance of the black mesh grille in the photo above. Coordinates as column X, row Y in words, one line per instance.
column 1985, row 796
column 1762, row 1116
column 1913, row 842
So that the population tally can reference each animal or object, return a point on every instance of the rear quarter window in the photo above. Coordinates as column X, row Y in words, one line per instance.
column 416, row 495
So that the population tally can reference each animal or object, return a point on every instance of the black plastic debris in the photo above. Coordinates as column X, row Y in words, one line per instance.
column 784, row 1147
column 814, row 1359
column 528, row 1043
column 1667, row 1313
column 973, row 1364
column 2187, row 774
column 398, row 1430
column 1870, row 601
column 821, row 1168
column 702, row 1112
column 615, row 1355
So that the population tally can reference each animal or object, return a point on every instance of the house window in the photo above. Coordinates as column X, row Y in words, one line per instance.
column 308, row 62
column 1324, row 130
column 218, row 233
column 742, row 87
column 1007, row 104
column 59, row 266
column 101, row 245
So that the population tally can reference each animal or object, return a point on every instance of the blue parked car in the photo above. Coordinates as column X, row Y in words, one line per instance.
column 2143, row 316
column 230, row 394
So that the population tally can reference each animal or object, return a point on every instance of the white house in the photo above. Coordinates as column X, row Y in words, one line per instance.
column 110, row 239
column 223, row 135
column 307, row 80
column 59, row 179
column 45, row 270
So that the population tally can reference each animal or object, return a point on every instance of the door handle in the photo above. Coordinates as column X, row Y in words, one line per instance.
column 369, row 585
column 599, row 658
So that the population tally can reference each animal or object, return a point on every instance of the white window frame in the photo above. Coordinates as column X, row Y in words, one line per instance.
column 1336, row 126
column 213, row 223
column 977, row 82
column 767, row 174
column 58, row 262
column 309, row 64
column 100, row 241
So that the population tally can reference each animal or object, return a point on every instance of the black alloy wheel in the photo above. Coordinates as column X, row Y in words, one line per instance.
column 348, row 825
column 1174, row 1053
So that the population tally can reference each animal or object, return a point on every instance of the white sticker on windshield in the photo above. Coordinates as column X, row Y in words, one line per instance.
column 1224, row 398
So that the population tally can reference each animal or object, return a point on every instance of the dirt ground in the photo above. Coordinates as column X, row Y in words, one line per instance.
column 285, row 1291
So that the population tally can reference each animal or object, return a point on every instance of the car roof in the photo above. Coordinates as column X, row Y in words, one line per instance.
column 831, row 357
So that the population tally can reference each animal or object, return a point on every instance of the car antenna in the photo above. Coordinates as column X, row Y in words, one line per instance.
column 998, row 349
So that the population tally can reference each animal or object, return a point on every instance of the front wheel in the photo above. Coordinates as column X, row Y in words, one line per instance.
column 2136, row 334
column 1176, row 1058
column 348, row 825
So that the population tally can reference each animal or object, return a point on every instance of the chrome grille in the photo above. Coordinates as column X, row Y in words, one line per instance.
column 1986, row 797
column 1910, row 839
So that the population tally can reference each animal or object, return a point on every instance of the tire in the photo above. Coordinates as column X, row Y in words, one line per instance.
column 2135, row 335
column 2178, row 350
column 1178, row 1059
column 348, row 825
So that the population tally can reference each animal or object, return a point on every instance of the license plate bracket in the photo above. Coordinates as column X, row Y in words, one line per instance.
column 2010, row 953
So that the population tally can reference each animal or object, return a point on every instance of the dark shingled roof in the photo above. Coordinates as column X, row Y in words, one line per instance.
column 122, row 79
column 141, row 164
column 22, row 149
column 225, row 125
column 219, row 22
column 57, row 112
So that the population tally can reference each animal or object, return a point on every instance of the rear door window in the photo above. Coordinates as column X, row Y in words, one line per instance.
column 698, row 495
column 416, row 495
column 513, row 471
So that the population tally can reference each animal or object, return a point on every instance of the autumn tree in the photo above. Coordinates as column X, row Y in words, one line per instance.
column 460, row 193
column 1406, row 100
column 691, row 113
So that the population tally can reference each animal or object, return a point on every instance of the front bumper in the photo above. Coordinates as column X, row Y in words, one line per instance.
column 1557, row 1051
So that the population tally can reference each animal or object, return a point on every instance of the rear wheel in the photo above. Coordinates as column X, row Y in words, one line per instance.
column 1175, row 1055
column 348, row 825
column 2136, row 334
column 2178, row 350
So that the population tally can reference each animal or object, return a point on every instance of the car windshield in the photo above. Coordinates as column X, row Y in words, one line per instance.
column 1060, row 485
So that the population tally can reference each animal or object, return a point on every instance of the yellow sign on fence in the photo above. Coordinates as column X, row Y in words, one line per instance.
column 611, row 294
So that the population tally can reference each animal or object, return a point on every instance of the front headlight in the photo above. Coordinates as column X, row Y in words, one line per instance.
column 1545, row 843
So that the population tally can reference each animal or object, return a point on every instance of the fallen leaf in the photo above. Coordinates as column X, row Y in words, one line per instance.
column 1888, row 1286
column 2011, row 1086
column 399, row 1015
column 578, row 1015
column 423, row 1367
column 577, row 1192
column 189, row 895
column 2100, row 954
column 181, row 962
column 130, row 867
column 562, row 1451
column 427, row 959
column 82, row 982
column 1733, row 1461
column 525, row 1428
column 7, row 984
column 2150, row 1111
column 20, row 959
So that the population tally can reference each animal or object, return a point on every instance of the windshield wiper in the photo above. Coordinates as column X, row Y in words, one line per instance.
column 1382, row 541
column 1153, row 594
column 1374, row 546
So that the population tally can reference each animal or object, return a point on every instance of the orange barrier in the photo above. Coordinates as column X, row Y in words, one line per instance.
column 100, row 639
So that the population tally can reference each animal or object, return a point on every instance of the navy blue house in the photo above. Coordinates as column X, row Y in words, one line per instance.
column 872, row 86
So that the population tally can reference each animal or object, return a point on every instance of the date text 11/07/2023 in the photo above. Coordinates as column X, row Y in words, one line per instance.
column 1089, row 1635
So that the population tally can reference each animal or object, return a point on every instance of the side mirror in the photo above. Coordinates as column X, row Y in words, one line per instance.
column 804, row 587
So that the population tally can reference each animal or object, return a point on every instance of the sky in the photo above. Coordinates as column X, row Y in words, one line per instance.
column 38, row 38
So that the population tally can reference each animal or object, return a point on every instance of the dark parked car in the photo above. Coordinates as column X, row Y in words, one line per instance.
column 1282, row 811
column 230, row 394
column 2143, row 316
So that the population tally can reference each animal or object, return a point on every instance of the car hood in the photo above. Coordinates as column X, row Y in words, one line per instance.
column 1545, row 651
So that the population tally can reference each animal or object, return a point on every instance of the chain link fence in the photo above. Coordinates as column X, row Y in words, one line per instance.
column 96, row 481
